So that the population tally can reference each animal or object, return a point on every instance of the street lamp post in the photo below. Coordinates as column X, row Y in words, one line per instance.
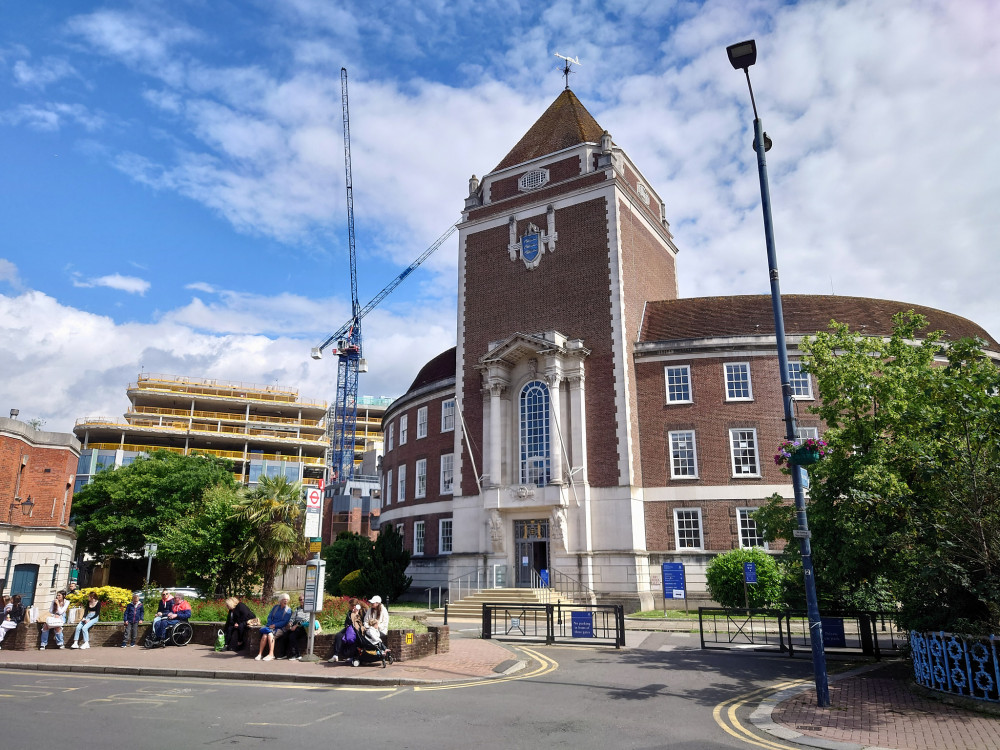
column 25, row 506
column 742, row 56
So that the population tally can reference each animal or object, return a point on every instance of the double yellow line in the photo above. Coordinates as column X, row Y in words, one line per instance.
column 725, row 715
column 545, row 665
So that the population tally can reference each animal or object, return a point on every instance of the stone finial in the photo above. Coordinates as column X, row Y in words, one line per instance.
column 605, row 142
column 473, row 185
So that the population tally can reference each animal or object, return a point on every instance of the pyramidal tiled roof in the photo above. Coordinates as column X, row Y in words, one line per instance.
column 564, row 124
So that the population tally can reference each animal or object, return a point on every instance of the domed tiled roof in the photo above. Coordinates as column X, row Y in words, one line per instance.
column 442, row 367
column 750, row 315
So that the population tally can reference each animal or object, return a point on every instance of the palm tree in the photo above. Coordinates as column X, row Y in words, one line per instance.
column 273, row 509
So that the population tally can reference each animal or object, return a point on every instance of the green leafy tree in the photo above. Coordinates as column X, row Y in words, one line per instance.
column 124, row 508
column 202, row 546
column 386, row 575
column 273, row 511
column 725, row 579
column 349, row 552
column 906, row 507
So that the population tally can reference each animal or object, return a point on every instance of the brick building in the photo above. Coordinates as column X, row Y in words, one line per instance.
column 37, row 470
column 589, row 423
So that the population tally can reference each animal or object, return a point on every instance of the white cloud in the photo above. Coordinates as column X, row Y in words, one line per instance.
column 9, row 274
column 48, row 70
column 65, row 364
column 130, row 284
column 51, row 116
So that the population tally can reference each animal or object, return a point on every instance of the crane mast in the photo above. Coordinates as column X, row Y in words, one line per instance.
column 345, row 410
column 347, row 338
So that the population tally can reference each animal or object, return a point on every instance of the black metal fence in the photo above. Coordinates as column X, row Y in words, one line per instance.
column 787, row 631
column 583, row 624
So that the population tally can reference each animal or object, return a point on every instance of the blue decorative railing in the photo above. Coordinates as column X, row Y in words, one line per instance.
column 958, row 664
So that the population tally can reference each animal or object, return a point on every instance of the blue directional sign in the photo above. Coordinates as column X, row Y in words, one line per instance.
column 674, row 586
column 833, row 632
column 583, row 624
column 750, row 572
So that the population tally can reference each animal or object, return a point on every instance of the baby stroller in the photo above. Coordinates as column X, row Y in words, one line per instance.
column 369, row 648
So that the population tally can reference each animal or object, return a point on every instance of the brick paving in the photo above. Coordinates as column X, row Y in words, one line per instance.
column 882, row 708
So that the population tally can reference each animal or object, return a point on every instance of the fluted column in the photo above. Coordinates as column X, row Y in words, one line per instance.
column 554, row 380
column 495, row 431
column 578, row 419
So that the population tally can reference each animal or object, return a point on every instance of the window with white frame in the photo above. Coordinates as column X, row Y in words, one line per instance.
column 687, row 528
column 421, row 488
column 421, row 422
column 683, row 455
column 401, row 485
column 534, row 433
column 392, row 434
column 738, row 381
column 678, row 384
column 743, row 448
column 418, row 537
column 388, row 487
column 800, row 381
column 448, row 474
column 403, row 421
column 750, row 535
column 444, row 536
column 804, row 433
column 448, row 415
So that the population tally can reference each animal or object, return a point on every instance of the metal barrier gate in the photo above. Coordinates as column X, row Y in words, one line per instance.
column 784, row 631
column 583, row 624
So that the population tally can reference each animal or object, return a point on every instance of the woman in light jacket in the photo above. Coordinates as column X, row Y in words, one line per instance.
column 54, row 620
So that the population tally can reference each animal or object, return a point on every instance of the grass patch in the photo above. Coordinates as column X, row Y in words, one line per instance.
column 670, row 614
column 398, row 622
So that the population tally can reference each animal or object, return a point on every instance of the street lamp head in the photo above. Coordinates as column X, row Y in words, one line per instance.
column 742, row 54
column 27, row 505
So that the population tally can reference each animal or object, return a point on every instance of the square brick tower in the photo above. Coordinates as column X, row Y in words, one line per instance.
column 560, row 247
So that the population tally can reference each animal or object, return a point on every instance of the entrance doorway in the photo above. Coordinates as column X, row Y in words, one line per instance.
column 532, row 550
column 24, row 581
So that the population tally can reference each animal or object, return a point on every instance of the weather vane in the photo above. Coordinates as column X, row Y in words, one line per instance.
column 566, row 71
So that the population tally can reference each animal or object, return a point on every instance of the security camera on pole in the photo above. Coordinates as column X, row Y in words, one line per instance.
column 316, row 566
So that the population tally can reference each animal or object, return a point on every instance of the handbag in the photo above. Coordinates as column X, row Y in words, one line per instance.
column 54, row 621
column 220, row 641
column 253, row 622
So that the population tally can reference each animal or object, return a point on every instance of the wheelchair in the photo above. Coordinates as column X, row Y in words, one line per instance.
column 177, row 633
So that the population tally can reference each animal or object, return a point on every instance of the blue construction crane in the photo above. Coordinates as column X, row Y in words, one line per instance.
column 348, row 336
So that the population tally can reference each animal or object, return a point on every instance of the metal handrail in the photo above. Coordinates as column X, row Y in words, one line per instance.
column 570, row 587
column 483, row 580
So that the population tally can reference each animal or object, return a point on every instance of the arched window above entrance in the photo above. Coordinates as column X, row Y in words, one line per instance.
column 533, row 418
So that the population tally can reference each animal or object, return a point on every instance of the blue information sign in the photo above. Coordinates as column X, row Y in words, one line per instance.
column 750, row 572
column 833, row 632
column 583, row 624
column 673, row 581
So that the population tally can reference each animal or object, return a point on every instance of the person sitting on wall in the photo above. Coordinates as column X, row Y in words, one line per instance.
column 181, row 610
column 377, row 618
column 298, row 631
column 277, row 624
column 12, row 617
column 236, row 629
column 55, row 619
column 91, row 614
column 346, row 640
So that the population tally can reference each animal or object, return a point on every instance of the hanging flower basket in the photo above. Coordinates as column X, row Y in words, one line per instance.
column 800, row 452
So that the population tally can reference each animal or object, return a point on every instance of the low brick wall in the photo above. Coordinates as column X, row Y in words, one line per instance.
column 405, row 644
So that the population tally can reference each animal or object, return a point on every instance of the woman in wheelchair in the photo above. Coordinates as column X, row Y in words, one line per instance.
column 180, row 612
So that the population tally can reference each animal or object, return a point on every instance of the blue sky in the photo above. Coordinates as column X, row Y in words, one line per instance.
column 173, row 179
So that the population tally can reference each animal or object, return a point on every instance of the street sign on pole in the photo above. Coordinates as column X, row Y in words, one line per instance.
column 674, row 584
column 750, row 572
column 314, row 512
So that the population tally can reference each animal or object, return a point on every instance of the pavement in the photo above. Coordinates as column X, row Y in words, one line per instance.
column 873, row 707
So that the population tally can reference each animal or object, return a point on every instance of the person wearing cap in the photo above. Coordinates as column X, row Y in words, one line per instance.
column 378, row 617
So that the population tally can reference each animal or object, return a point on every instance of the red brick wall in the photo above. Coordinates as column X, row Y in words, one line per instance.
column 46, row 478
column 558, row 171
column 431, row 448
column 719, row 521
column 648, row 273
column 567, row 292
